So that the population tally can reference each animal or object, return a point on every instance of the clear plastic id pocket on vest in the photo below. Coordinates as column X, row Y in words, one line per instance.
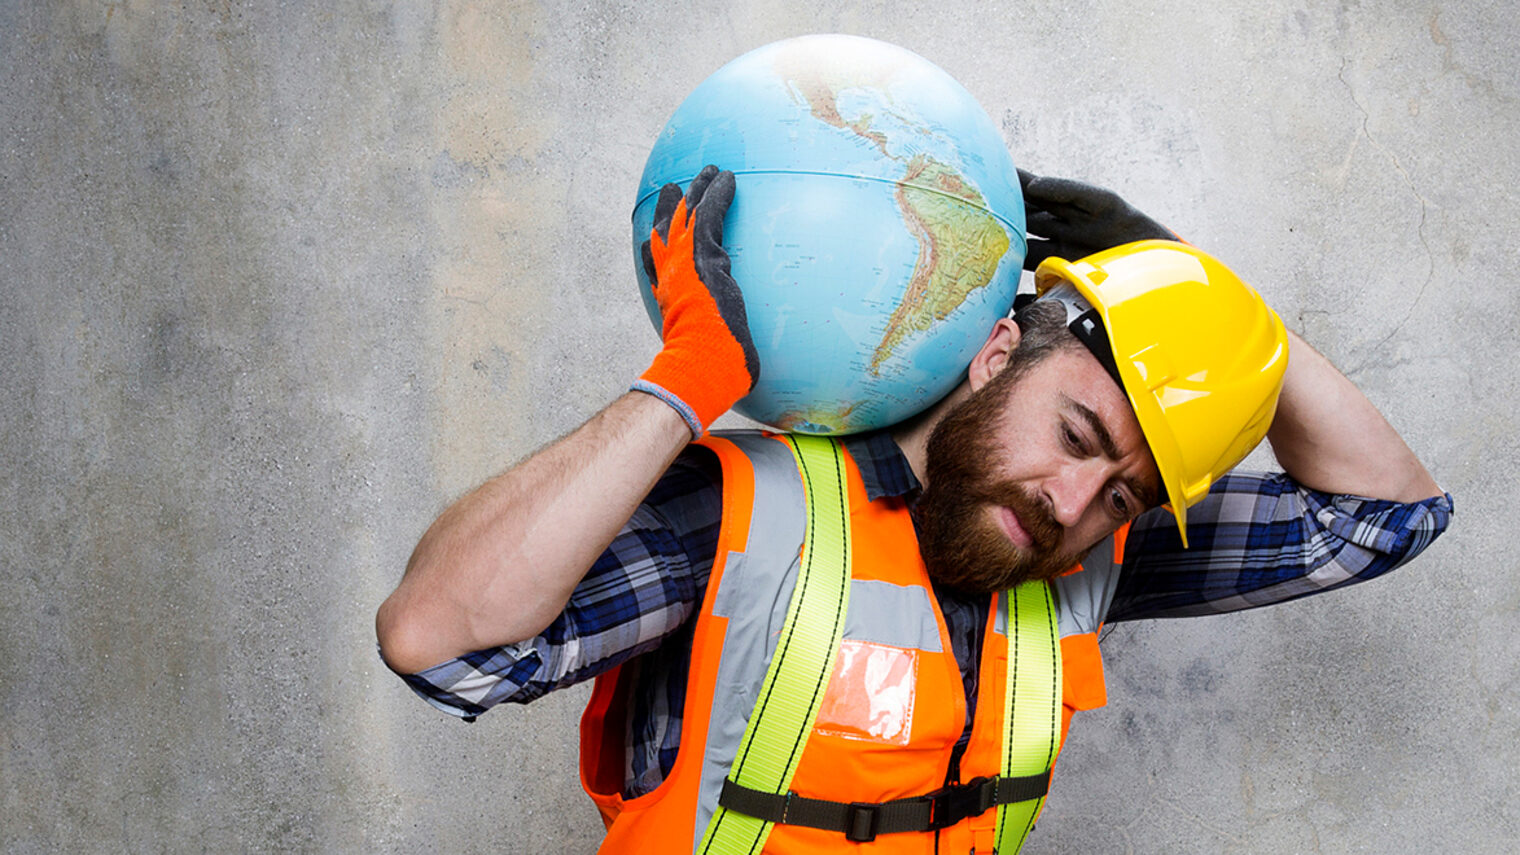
column 871, row 694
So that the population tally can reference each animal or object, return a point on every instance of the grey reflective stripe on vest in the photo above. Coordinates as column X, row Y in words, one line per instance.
column 753, row 594
column 1082, row 599
column 898, row 615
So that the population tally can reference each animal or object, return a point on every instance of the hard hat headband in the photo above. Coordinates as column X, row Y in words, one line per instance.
column 1086, row 324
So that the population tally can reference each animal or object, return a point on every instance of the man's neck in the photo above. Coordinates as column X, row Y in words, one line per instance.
column 912, row 436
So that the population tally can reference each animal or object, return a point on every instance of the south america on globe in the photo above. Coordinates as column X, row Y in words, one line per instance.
column 877, row 230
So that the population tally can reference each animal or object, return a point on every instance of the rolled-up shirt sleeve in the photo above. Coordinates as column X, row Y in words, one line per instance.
column 1261, row 538
column 641, row 590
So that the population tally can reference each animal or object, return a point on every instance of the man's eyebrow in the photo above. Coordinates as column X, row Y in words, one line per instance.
column 1143, row 491
column 1094, row 424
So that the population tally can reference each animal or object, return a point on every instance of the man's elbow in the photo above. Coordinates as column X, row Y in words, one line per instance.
column 1422, row 486
column 406, row 642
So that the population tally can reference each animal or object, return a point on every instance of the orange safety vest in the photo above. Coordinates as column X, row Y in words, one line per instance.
column 895, row 705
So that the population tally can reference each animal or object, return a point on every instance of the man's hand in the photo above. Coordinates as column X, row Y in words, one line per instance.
column 1071, row 220
column 708, row 362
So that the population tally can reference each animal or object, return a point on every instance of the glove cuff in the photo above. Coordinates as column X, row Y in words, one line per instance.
column 675, row 403
column 700, row 374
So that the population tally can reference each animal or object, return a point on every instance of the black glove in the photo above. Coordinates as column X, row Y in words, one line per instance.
column 1070, row 219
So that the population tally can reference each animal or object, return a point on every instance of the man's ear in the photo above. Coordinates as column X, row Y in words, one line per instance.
column 993, row 357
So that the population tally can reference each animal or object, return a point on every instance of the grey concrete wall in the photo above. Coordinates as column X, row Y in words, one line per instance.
column 279, row 280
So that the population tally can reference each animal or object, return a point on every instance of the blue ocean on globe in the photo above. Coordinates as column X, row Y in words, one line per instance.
column 877, row 230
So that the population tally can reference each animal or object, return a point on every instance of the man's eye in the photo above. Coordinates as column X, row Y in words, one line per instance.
column 1120, row 503
column 1073, row 441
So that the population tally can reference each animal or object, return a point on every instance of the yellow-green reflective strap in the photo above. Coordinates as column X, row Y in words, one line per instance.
column 804, row 659
column 1033, row 703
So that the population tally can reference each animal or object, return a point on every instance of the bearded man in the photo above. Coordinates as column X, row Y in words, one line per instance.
column 664, row 567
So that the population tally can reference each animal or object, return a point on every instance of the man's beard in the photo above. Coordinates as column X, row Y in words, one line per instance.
column 961, row 543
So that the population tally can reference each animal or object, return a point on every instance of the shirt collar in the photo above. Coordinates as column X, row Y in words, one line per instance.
column 883, row 466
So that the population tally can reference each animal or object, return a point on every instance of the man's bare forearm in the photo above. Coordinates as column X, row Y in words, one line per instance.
column 500, row 563
column 1328, row 436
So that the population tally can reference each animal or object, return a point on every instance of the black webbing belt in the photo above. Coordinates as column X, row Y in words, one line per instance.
column 862, row 821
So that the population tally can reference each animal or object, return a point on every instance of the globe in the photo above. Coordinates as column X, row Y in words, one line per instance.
column 877, row 230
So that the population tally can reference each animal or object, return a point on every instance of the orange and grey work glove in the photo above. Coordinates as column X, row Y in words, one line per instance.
column 1069, row 219
column 708, row 362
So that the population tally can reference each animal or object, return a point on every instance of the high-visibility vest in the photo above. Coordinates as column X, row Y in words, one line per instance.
column 894, row 706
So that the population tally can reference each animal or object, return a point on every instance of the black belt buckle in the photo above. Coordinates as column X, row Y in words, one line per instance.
column 860, row 821
column 949, row 805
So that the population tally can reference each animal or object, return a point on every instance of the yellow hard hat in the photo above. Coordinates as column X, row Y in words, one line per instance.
column 1197, row 351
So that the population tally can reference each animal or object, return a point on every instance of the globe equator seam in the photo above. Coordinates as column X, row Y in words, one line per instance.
column 935, row 190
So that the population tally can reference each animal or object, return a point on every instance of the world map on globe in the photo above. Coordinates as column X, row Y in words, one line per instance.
column 877, row 230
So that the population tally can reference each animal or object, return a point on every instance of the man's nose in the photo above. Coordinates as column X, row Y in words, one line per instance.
column 1073, row 488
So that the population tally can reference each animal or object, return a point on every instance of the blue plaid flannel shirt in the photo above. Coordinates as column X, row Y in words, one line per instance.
column 1257, row 539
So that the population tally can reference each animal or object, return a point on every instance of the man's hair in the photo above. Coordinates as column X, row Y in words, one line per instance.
column 1042, row 332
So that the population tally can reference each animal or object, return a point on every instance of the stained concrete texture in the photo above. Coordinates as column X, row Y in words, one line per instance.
column 279, row 280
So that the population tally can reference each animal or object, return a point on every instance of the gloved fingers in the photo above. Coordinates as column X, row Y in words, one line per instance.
column 665, row 209
column 712, row 262
column 1029, row 183
column 711, row 206
column 669, row 203
column 1063, row 193
column 1059, row 210
column 649, row 268
column 1035, row 186
column 1046, row 224
column 699, row 187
